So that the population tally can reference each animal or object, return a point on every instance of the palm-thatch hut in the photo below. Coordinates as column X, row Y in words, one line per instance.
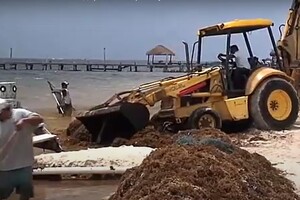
column 160, row 50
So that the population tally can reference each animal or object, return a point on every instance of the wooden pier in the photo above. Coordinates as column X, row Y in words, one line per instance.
column 87, row 65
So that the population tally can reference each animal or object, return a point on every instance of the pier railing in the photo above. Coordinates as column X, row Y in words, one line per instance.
column 87, row 64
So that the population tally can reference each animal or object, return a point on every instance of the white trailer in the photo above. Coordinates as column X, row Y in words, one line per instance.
column 8, row 91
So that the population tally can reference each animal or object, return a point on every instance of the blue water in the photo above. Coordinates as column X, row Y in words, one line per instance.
column 86, row 88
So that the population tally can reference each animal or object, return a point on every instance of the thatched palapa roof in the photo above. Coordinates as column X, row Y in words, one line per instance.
column 160, row 50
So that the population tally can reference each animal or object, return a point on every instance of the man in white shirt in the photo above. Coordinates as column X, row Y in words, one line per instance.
column 240, row 65
column 236, row 57
column 242, row 71
column 16, row 150
column 66, row 99
column 240, row 60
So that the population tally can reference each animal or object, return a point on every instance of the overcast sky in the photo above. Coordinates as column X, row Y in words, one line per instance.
column 126, row 28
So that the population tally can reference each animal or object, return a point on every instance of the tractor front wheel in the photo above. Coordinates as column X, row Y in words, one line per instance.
column 204, row 118
column 274, row 105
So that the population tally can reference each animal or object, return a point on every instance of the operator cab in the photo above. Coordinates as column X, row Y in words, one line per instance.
column 235, row 76
column 239, row 66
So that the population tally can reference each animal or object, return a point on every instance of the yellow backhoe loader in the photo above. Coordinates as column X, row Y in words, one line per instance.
column 212, row 97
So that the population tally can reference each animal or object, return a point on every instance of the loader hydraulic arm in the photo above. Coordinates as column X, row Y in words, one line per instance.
column 147, row 94
column 151, row 93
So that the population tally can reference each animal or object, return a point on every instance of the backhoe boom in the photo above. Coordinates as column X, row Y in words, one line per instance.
column 289, row 44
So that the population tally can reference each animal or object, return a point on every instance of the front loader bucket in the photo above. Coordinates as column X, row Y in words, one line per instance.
column 122, row 120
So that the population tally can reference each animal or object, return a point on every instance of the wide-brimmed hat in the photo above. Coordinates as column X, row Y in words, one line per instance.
column 4, row 104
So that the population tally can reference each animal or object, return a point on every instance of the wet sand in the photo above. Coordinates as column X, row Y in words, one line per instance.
column 75, row 190
column 53, row 120
column 72, row 190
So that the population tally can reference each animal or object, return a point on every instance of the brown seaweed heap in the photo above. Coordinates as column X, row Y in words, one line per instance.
column 209, row 170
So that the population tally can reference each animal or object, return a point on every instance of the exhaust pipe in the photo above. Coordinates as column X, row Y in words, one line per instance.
column 187, row 56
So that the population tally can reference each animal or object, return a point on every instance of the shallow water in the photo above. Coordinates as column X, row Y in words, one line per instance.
column 86, row 88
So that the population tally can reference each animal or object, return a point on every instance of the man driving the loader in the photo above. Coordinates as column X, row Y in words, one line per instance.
column 234, row 54
column 242, row 67
column 242, row 71
column 241, row 62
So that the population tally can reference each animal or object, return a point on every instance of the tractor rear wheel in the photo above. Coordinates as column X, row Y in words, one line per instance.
column 274, row 105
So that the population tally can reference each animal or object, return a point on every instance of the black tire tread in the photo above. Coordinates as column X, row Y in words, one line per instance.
column 259, row 120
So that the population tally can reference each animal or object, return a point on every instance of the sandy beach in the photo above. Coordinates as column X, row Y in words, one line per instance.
column 282, row 149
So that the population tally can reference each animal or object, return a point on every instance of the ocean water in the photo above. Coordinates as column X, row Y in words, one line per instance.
column 86, row 88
